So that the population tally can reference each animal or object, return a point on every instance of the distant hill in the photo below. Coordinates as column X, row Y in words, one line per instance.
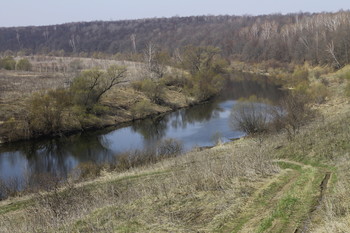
column 320, row 38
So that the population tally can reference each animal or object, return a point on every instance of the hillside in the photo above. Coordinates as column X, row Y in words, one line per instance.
column 275, row 185
column 320, row 38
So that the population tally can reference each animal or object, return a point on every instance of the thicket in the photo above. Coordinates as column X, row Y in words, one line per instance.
column 206, row 71
column 202, row 76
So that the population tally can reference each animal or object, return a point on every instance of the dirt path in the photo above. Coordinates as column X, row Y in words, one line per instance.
column 304, row 227
column 285, row 202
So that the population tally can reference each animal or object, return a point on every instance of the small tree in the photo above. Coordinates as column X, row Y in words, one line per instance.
column 155, row 60
column 91, row 85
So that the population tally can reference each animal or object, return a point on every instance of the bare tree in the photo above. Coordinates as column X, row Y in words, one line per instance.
column 330, row 50
column 154, row 61
column 91, row 85
column 133, row 42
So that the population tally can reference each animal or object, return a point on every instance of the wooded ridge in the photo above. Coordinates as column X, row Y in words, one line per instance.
column 318, row 38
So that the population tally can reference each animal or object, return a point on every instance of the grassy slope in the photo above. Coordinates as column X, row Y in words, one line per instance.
column 239, row 187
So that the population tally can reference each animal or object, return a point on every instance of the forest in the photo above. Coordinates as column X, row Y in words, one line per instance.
column 318, row 38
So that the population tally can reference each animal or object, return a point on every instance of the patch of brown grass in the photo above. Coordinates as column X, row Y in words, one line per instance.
column 189, row 192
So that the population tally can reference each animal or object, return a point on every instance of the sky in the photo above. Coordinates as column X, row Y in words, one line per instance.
column 48, row 12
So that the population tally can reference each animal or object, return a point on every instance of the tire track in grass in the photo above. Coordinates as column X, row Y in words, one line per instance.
column 283, row 204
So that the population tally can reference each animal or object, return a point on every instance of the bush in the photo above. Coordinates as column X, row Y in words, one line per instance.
column 204, row 85
column 24, row 65
column 9, row 188
column 175, row 80
column 8, row 63
column 142, row 108
column 88, row 170
column 169, row 147
column 318, row 92
column 45, row 111
column 299, row 77
column 75, row 65
column 250, row 116
column 166, row 148
column 85, row 119
column 344, row 75
column 292, row 112
column 153, row 89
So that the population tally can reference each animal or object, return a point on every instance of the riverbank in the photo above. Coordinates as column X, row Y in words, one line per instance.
column 122, row 104
column 277, row 185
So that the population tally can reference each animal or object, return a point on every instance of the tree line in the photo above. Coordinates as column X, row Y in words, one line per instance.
column 319, row 38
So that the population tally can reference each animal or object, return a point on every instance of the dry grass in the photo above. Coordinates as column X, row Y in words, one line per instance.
column 245, row 186
column 188, row 193
column 15, row 85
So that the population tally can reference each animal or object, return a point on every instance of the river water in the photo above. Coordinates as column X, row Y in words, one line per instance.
column 196, row 126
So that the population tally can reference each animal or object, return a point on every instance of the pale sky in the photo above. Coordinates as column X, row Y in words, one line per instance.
column 48, row 12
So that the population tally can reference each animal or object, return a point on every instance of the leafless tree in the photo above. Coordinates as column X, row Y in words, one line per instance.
column 330, row 50
column 154, row 64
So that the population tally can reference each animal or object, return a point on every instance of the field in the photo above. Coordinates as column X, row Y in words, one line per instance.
column 278, row 184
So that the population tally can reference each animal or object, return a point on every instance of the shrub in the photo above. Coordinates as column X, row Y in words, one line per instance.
column 169, row 147
column 9, row 188
column 344, row 74
column 166, row 148
column 299, row 77
column 85, row 119
column 45, row 111
column 292, row 112
column 8, row 63
column 175, row 80
column 300, row 73
column 75, row 65
column 88, row 170
column 23, row 64
column 153, row 89
column 318, row 92
column 216, row 138
column 142, row 108
column 137, row 85
column 250, row 116
column 204, row 85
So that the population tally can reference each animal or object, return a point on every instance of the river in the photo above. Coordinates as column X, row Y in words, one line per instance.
column 197, row 126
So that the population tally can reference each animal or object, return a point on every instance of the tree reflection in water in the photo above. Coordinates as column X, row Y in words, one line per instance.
column 193, row 125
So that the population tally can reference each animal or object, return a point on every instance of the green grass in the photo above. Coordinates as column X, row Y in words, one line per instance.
column 295, row 203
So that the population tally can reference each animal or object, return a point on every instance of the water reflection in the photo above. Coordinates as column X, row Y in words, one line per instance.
column 193, row 126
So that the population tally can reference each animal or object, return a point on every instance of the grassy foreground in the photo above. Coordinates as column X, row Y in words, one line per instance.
column 277, row 185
